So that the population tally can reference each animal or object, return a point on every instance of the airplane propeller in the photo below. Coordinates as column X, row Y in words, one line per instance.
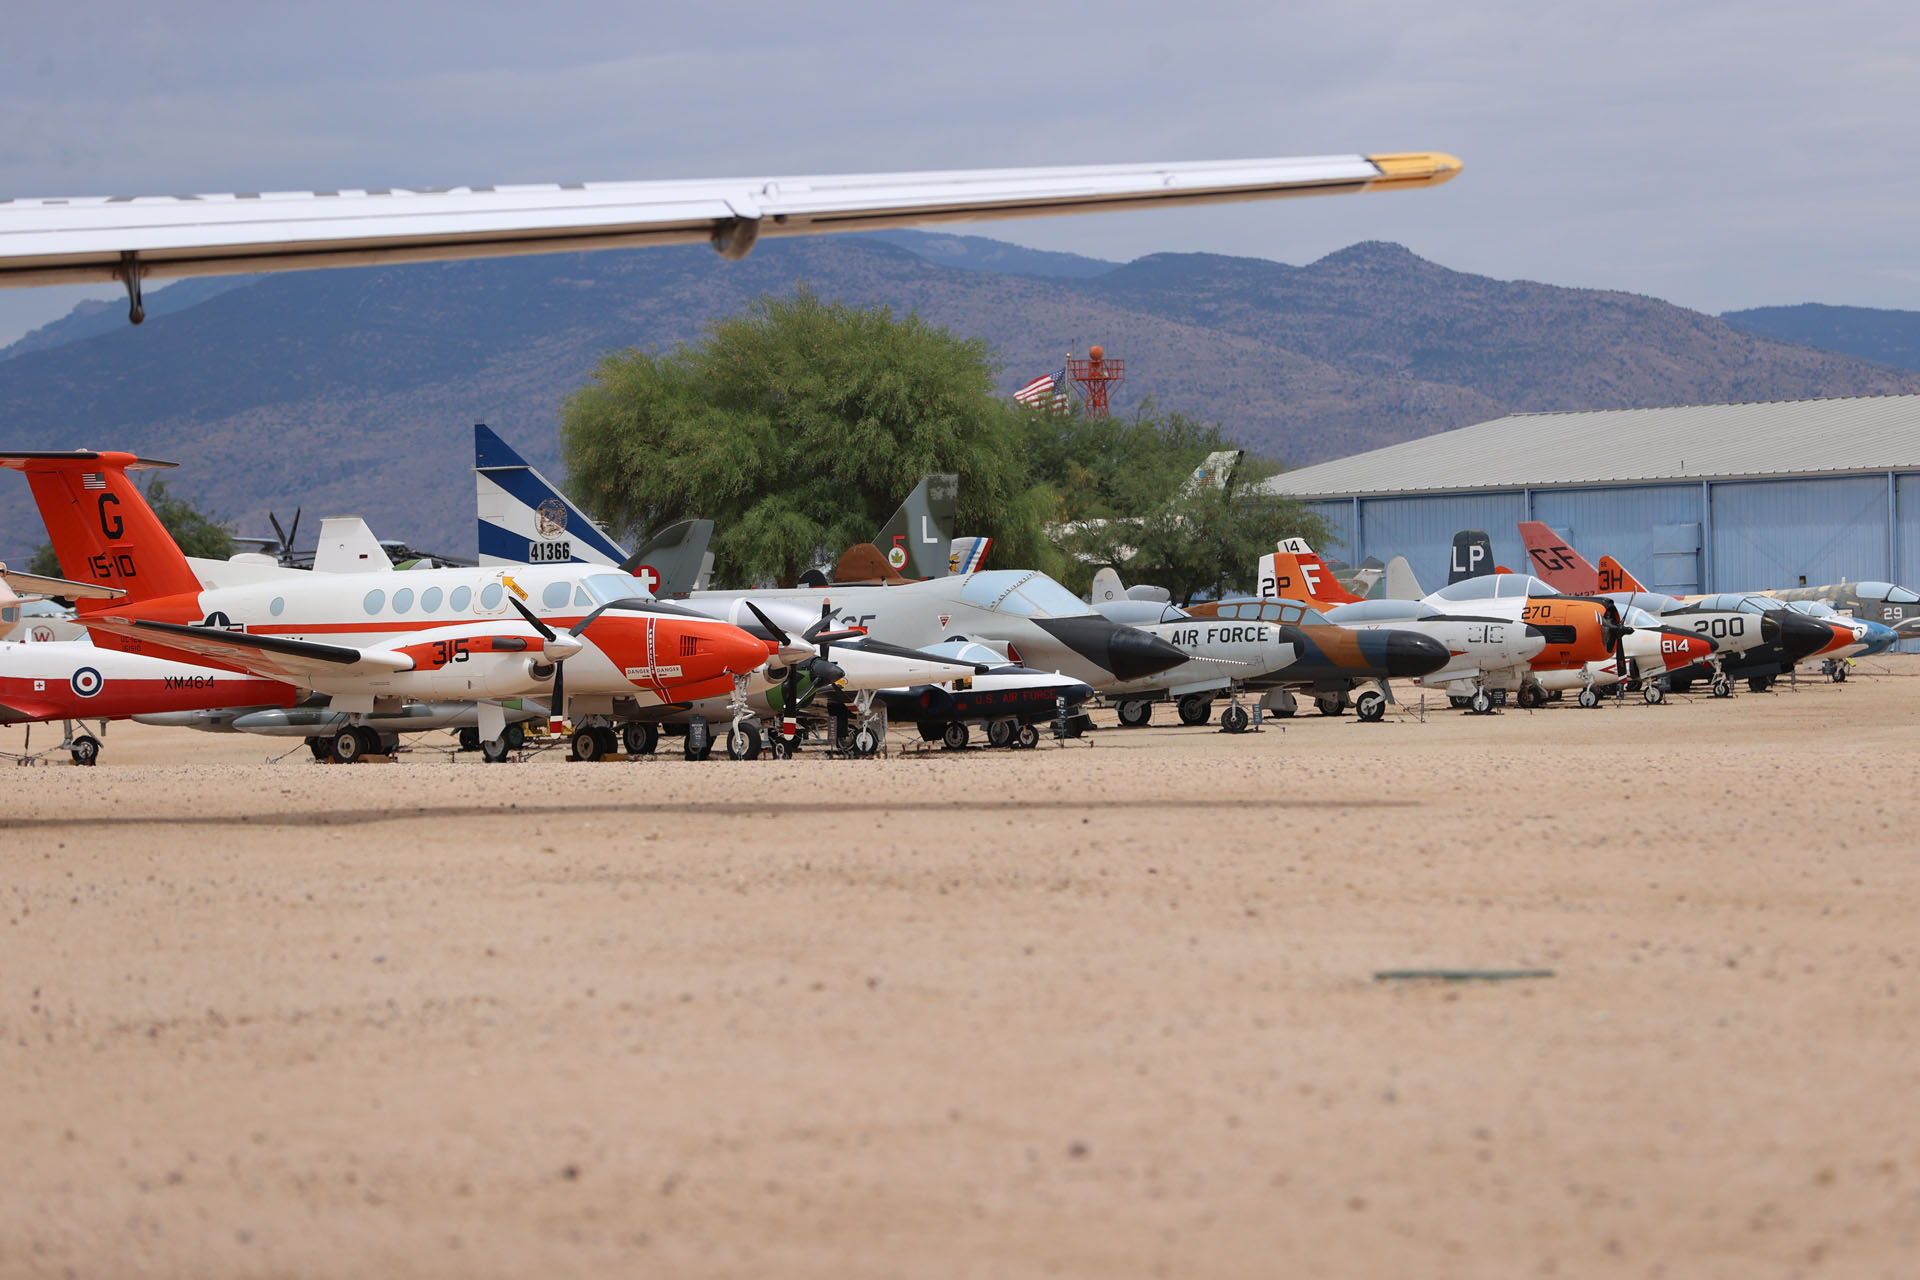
column 1612, row 624
column 811, row 649
column 285, row 554
column 557, row 648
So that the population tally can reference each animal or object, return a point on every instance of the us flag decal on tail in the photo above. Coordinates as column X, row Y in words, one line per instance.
column 92, row 480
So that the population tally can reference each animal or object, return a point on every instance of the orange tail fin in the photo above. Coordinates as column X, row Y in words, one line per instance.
column 1556, row 563
column 102, row 528
column 1614, row 577
column 1301, row 577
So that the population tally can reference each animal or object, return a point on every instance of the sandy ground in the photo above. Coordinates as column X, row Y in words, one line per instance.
column 1098, row 1010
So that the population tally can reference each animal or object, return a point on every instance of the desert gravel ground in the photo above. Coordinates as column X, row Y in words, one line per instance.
column 1102, row 1010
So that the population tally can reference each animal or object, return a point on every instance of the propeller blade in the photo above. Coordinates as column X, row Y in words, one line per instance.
column 784, row 640
column 559, row 710
column 546, row 632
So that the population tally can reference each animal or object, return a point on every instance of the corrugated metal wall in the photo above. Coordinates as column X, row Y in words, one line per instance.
column 1758, row 533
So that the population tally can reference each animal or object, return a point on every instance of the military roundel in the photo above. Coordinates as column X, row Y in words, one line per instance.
column 897, row 557
column 550, row 518
column 87, row 681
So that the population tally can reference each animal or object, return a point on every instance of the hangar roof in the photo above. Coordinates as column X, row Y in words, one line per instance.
column 1633, row 446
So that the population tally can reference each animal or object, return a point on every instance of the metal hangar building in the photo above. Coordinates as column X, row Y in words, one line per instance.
column 1720, row 497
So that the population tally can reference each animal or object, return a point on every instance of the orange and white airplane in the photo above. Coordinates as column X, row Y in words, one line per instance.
column 376, row 640
column 1584, row 644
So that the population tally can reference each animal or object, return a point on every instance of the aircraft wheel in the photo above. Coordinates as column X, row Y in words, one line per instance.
column 1234, row 719
column 640, row 739
column 86, row 750
column 1135, row 713
column 588, row 744
column 1481, row 703
column 1330, row 705
column 1758, row 684
column 1371, row 706
column 1457, row 702
column 1722, row 687
column 1653, row 693
column 781, row 747
column 1589, row 697
column 495, row 750
column 320, row 747
column 1027, row 738
column 1078, row 724
column 865, row 741
column 743, row 741
column 515, row 736
column 1195, row 709
column 932, row 730
column 469, row 740
column 348, row 745
column 955, row 737
column 1532, row 696
column 371, row 743
column 1839, row 675
column 1000, row 733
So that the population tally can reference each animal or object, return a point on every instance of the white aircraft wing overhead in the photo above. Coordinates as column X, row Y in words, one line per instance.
column 95, row 238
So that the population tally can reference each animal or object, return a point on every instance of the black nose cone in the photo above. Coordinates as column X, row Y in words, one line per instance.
column 1800, row 635
column 1128, row 652
column 1411, row 655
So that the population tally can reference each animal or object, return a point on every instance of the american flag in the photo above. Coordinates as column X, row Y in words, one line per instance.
column 93, row 480
column 1041, row 387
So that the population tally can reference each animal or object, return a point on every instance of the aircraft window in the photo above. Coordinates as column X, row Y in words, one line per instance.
column 278, row 607
column 375, row 598
column 985, row 588
column 10, row 614
column 1468, row 589
column 403, row 600
column 490, row 596
column 605, row 588
column 581, row 599
column 1014, row 602
column 459, row 599
column 1874, row 590
column 1051, row 598
column 430, row 600
column 1900, row 595
column 555, row 596
column 1537, row 588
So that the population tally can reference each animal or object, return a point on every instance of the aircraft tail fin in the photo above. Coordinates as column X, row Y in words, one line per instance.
column 103, row 531
column 917, row 538
column 675, row 560
column 1555, row 562
column 1294, row 572
column 1398, row 582
column 1472, row 555
column 347, row 545
column 1613, row 577
column 524, row 519
column 864, row 562
column 1107, row 586
column 967, row 555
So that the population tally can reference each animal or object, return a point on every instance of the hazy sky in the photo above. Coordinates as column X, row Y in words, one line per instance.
column 1716, row 155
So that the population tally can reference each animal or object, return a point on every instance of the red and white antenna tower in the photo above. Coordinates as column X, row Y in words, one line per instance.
column 1094, row 376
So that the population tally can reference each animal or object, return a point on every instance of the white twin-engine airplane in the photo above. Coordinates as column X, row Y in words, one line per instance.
column 135, row 238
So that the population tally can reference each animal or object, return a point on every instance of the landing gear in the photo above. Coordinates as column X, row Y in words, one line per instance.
column 1723, row 686
column 743, row 741
column 1652, row 692
column 1759, row 684
column 1234, row 719
column 1135, row 713
column 955, row 736
column 1836, row 670
column 1196, row 709
column 1532, row 696
column 1589, row 697
column 351, row 743
column 1000, row 733
column 469, row 740
column 495, row 750
column 321, row 748
column 1026, row 738
column 1331, row 704
column 1371, row 706
column 864, row 741
column 1281, row 703
column 640, row 739
column 1457, row 702
column 85, row 750
column 1481, row 703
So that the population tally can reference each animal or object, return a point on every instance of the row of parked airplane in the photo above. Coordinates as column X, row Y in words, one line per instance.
column 560, row 621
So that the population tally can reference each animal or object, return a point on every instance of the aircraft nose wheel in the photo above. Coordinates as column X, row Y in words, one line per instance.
column 348, row 745
column 743, row 741
column 1653, row 693
column 1480, row 703
column 865, row 741
column 1589, row 697
column 1371, row 706
column 1233, row 719
column 86, row 750
column 495, row 750
column 1722, row 687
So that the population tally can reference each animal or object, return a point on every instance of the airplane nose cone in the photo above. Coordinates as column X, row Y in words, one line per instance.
column 1769, row 629
column 1411, row 655
column 1801, row 636
column 1128, row 652
column 740, row 651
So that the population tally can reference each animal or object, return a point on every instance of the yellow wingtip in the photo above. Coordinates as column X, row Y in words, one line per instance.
column 1414, row 169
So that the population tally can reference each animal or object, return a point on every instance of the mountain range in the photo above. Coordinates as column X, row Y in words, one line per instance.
column 355, row 390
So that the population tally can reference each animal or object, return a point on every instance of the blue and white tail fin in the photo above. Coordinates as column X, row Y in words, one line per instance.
column 967, row 555
column 524, row 519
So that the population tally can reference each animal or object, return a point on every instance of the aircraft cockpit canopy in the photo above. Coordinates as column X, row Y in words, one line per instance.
column 1496, row 586
column 1285, row 612
column 1023, row 592
column 1887, row 591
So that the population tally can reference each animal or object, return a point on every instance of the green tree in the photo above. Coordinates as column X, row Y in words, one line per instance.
column 797, row 426
column 197, row 533
column 1126, row 497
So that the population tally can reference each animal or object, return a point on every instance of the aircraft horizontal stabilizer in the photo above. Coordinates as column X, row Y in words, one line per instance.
column 277, row 656
column 126, row 238
column 35, row 585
